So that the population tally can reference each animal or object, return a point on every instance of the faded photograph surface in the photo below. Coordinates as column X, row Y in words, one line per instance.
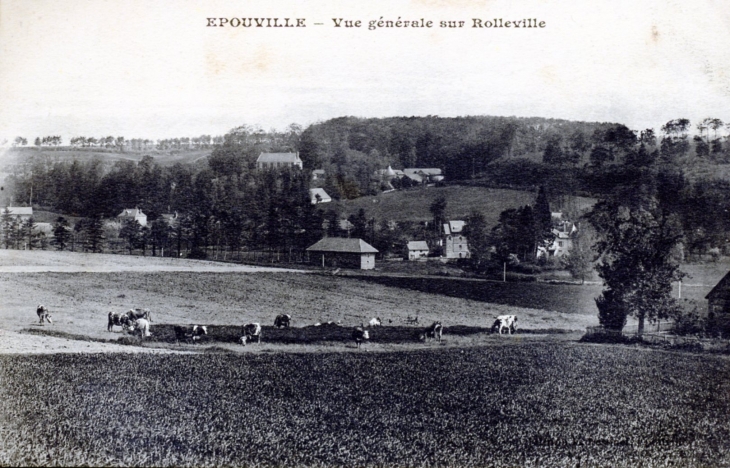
column 404, row 233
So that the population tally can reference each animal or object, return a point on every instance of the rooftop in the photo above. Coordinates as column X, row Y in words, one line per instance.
column 279, row 158
column 343, row 245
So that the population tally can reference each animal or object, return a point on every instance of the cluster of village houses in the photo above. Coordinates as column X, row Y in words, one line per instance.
column 356, row 253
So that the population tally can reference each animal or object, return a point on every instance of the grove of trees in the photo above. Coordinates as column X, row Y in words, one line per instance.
column 228, row 204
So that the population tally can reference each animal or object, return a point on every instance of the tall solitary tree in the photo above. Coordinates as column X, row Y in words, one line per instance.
column 636, row 243
column 543, row 220
column 479, row 240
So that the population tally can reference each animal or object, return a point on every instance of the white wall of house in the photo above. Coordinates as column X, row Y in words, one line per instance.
column 367, row 261
column 456, row 246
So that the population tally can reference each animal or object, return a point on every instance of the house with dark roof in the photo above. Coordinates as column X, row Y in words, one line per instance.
column 424, row 175
column 718, row 299
column 278, row 160
column 718, row 304
column 343, row 252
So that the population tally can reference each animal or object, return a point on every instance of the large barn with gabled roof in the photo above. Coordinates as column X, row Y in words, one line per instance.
column 343, row 252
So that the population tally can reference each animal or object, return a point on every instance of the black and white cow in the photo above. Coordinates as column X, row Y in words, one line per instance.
column 434, row 331
column 375, row 322
column 359, row 334
column 135, row 314
column 189, row 332
column 141, row 326
column 43, row 314
column 505, row 324
column 120, row 319
column 251, row 331
column 282, row 320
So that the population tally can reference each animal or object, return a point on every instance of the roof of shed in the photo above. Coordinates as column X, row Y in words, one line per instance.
column 20, row 210
column 343, row 245
column 721, row 289
column 279, row 157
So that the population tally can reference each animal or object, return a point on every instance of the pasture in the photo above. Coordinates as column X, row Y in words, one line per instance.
column 307, row 397
column 224, row 295
column 511, row 404
column 18, row 156
column 413, row 204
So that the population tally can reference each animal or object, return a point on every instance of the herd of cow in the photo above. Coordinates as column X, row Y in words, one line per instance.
column 138, row 321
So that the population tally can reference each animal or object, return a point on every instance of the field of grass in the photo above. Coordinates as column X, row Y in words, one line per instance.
column 512, row 404
column 80, row 302
column 413, row 204
column 13, row 156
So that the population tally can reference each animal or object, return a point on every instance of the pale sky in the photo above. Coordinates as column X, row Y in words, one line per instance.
column 152, row 69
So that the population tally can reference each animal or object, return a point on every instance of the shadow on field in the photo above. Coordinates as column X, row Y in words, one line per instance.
column 568, row 298
column 165, row 333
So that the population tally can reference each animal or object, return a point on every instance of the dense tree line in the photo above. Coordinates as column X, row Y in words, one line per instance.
column 122, row 144
column 231, row 204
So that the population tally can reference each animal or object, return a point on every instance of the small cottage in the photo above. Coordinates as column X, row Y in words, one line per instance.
column 278, row 160
column 318, row 195
column 22, row 212
column 339, row 252
column 417, row 249
column 424, row 175
column 133, row 214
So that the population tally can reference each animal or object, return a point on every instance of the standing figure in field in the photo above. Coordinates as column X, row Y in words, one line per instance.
column 251, row 331
column 434, row 331
column 359, row 334
column 141, row 325
column 505, row 324
column 282, row 320
column 43, row 314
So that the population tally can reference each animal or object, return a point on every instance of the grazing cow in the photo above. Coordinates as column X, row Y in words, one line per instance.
column 251, row 331
column 194, row 332
column 359, row 334
column 141, row 325
column 505, row 324
column 434, row 331
column 135, row 314
column 43, row 314
column 282, row 320
column 375, row 322
column 120, row 319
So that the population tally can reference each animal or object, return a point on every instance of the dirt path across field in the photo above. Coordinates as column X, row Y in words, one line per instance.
column 23, row 343
column 36, row 261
